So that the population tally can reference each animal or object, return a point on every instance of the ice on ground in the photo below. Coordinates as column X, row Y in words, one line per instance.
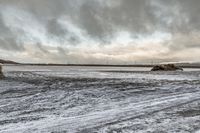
column 98, row 99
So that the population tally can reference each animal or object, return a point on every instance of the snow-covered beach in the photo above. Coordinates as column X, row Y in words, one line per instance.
column 98, row 99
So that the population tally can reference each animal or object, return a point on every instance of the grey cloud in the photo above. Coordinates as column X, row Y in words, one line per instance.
column 62, row 51
column 191, row 9
column 178, row 15
column 10, row 44
column 8, row 40
column 100, row 20
column 55, row 28
column 42, row 49
column 134, row 16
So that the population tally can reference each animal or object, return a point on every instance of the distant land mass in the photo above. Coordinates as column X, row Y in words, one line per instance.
column 7, row 62
column 184, row 65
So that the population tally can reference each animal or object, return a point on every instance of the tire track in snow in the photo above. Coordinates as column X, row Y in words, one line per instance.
column 103, row 118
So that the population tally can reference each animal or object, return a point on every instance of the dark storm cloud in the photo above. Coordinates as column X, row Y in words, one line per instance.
column 103, row 21
column 97, row 18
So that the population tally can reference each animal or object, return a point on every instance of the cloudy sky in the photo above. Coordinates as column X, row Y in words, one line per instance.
column 100, row 31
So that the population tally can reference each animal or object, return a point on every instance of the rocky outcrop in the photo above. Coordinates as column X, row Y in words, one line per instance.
column 1, row 73
column 166, row 67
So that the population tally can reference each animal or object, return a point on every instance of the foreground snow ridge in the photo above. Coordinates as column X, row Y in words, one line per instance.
column 84, row 99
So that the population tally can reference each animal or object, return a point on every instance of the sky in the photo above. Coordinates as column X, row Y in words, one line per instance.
column 100, row 31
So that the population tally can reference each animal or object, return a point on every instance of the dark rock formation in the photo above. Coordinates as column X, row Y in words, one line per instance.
column 166, row 67
column 1, row 73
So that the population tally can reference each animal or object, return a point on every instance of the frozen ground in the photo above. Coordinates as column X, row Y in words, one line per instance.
column 104, row 100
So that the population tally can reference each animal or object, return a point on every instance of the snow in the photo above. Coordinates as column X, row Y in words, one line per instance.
column 98, row 99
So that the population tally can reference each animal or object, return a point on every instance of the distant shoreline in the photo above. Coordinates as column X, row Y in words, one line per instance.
column 183, row 65
column 100, row 65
